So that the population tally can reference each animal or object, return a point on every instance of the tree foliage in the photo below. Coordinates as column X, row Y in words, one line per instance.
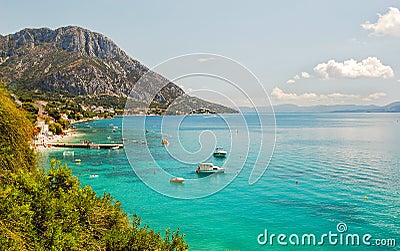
column 56, row 128
column 50, row 210
column 64, row 123
column 15, row 136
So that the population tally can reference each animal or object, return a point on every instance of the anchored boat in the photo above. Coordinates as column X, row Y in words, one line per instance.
column 220, row 152
column 209, row 168
column 177, row 180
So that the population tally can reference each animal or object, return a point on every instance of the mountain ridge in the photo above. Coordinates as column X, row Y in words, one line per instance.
column 72, row 61
column 392, row 107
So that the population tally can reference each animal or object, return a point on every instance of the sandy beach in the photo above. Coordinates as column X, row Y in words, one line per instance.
column 43, row 141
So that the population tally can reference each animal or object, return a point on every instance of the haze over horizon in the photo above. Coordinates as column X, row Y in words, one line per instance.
column 304, row 53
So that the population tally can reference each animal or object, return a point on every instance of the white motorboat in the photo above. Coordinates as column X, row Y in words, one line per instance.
column 209, row 168
column 177, row 180
column 68, row 153
column 220, row 152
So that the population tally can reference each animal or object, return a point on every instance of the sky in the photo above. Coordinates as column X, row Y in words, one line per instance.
column 305, row 52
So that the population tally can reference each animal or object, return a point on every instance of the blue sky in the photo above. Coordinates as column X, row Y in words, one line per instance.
column 276, row 40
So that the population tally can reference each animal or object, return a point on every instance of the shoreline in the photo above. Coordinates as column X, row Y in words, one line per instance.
column 41, row 144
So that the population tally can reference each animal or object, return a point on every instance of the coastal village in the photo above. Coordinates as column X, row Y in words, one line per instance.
column 54, row 125
column 49, row 130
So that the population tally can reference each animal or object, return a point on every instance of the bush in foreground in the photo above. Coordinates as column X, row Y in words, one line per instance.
column 50, row 210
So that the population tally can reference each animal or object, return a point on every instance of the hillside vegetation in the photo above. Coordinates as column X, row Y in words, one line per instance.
column 77, row 65
column 50, row 210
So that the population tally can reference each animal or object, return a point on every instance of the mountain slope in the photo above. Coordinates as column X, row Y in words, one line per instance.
column 393, row 107
column 72, row 61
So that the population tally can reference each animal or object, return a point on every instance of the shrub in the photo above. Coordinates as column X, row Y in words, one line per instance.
column 50, row 210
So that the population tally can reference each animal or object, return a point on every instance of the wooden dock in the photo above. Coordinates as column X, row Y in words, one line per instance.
column 89, row 146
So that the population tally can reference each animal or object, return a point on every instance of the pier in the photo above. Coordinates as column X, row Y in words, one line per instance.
column 86, row 145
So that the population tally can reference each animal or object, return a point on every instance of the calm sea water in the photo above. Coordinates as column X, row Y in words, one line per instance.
column 347, row 167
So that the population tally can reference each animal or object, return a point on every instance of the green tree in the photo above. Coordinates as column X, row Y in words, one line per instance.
column 50, row 210
column 52, row 128
column 56, row 128
column 15, row 137
column 64, row 123
column 54, row 113
column 59, row 128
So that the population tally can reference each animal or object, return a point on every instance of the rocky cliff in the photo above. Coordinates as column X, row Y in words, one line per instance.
column 72, row 61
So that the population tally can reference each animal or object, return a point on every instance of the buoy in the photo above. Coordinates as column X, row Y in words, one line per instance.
column 366, row 197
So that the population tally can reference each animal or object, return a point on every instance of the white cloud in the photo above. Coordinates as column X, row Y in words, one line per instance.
column 357, row 41
column 202, row 60
column 313, row 98
column 337, row 95
column 370, row 67
column 281, row 95
column 374, row 96
column 298, row 77
column 387, row 24
column 305, row 74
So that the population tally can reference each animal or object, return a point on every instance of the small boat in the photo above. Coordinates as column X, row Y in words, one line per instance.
column 177, row 180
column 220, row 152
column 92, row 176
column 209, row 168
column 78, row 160
column 68, row 153
column 164, row 142
column 94, row 146
column 115, row 147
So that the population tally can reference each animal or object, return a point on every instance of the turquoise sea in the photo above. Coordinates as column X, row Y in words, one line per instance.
column 326, row 169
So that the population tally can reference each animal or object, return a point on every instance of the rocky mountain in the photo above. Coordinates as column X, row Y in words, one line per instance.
column 75, row 62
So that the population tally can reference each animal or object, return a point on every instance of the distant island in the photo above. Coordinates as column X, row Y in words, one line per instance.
column 393, row 107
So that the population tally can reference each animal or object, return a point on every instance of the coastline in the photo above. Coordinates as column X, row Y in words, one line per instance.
column 42, row 141
column 70, row 135
column 41, row 144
